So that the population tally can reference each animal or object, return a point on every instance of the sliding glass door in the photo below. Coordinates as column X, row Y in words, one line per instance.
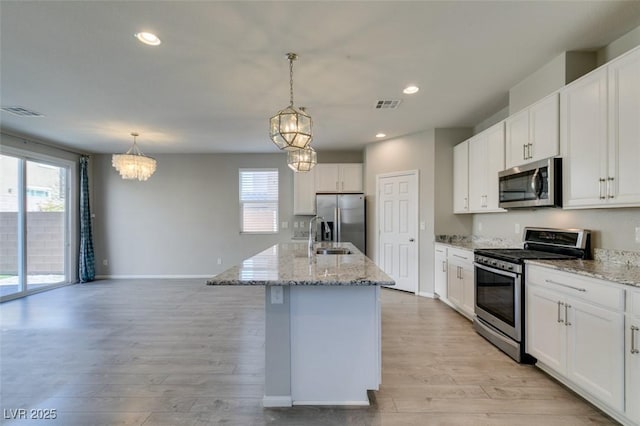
column 34, row 222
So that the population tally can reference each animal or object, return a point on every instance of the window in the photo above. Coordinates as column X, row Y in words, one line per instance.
column 259, row 200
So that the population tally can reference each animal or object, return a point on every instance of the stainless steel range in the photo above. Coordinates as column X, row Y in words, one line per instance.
column 500, row 280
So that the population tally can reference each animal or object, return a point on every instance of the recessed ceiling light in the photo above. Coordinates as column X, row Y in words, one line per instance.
column 410, row 90
column 380, row 135
column 148, row 38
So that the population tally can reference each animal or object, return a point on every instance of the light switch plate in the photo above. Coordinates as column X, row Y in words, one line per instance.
column 277, row 295
column 423, row 226
column 517, row 228
column 638, row 234
column 285, row 225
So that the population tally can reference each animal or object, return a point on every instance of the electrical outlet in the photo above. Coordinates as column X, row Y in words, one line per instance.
column 638, row 234
column 285, row 225
column 295, row 225
column 277, row 295
column 517, row 228
column 219, row 261
column 423, row 225
column 105, row 262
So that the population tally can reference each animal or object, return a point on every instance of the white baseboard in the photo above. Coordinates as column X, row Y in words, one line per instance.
column 425, row 294
column 158, row 277
column 276, row 401
column 358, row 403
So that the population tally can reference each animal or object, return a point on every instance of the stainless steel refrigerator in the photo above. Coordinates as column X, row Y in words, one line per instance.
column 345, row 217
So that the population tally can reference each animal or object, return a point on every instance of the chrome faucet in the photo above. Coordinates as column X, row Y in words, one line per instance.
column 311, row 232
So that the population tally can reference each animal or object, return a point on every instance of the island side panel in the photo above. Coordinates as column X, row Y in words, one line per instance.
column 277, row 386
column 335, row 344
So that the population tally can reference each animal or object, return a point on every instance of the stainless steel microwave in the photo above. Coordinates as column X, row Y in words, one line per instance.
column 537, row 184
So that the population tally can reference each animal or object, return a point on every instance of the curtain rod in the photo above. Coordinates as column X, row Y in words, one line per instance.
column 48, row 145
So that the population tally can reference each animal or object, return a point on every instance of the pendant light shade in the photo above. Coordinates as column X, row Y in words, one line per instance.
column 134, row 164
column 290, row 128
column 302, row 160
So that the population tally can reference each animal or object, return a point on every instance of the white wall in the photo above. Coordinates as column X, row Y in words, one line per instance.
column 185, row 217
column 619, row 46
column 430, row 153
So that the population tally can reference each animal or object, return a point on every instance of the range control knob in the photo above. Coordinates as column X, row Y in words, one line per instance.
column 510, row 267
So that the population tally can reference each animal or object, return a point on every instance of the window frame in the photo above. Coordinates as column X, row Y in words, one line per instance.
column 242, row 203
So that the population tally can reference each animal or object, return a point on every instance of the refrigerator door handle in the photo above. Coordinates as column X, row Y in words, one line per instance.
column 339, row 223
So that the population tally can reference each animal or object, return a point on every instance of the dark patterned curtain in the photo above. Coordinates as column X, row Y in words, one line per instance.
column 87, row 266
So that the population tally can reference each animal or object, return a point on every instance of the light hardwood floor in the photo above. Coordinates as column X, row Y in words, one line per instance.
column 176, row 352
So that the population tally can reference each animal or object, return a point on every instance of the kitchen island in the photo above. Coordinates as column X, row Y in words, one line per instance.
column 323, row 323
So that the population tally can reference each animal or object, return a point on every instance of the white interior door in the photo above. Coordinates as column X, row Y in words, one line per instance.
column 398, row 228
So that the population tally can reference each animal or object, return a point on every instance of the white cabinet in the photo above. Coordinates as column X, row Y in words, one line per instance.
column 575, row 327
column 600, row 134
column 339, row 177
column 533, row 133
column 440, row 271
column 461, row 281
column 461, row 178
column 486, row 159
column 304, row 193
column 632, row 356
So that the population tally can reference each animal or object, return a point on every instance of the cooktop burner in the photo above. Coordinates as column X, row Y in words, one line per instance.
column 519, row 255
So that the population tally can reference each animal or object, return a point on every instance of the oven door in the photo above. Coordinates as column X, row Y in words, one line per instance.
column 498, row 299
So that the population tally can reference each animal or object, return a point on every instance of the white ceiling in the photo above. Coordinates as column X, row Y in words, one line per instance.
column 221, row 70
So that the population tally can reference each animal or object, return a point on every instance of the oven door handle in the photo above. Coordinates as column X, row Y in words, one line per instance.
column 496, row 271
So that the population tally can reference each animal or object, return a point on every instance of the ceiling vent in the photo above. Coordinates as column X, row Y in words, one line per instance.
column 388, row 104
column 22, row 112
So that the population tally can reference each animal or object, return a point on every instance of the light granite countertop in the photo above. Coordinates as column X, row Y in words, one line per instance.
column 616, row 272
column 288, row 264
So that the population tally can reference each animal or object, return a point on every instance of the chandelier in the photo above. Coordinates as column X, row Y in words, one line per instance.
column 302, row 160
column 134, row 164
column 291, row 127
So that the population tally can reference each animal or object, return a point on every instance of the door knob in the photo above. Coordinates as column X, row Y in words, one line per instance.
column 411, row 240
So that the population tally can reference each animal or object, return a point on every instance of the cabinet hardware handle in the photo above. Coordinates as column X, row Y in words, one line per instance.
column 466, row 203
column 601, row 181
column 560, row 320
column 610, row 187
column 565, row 285
column 342, row 183
column 524, row 151
column 444, row 266
column 411, row 240
column 460, row 257
column 634, row 350
column 337, row 188
column 460, row 272
column 566, row 315
column 529, row 146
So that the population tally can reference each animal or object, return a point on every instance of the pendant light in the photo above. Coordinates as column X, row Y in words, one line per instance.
column 302, row 160
column 134, row 164
column 290, row 128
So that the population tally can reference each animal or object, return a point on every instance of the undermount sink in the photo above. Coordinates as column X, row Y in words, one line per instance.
column 333, row 250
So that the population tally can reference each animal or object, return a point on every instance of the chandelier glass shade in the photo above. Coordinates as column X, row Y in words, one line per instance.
column 134, row 164
column 290, row 128
column 302, row 160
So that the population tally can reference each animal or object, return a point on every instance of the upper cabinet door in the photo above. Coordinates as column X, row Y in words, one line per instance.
column 517, row 139
column 304, row 193
column 495, row 164
column 327, row 178
column 623, row 177
column 544, row 128
column 461, row 178
column 351, row 178
column 533, row 133
column 584, row 140
column 478, row 184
